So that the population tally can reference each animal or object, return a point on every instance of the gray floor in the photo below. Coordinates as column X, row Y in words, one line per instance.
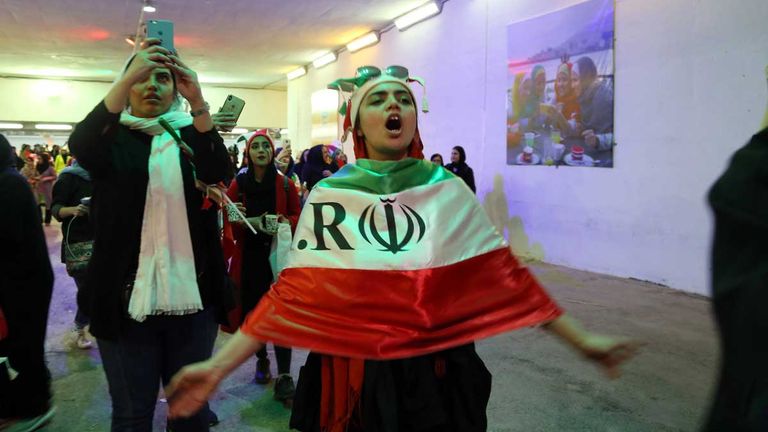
column 538, row 383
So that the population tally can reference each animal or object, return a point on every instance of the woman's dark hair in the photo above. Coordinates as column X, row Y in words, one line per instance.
column 432, row 158
column 587, row 69
column 462, row 153
column 44, row 163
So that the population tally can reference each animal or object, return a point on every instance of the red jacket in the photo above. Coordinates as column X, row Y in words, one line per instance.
column 286, row 204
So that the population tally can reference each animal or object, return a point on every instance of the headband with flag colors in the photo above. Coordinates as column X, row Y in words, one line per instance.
column 357, row 88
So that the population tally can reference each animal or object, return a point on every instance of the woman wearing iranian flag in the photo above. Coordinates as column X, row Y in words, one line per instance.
column 381, row 285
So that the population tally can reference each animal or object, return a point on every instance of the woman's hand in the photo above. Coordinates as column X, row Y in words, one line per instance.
column 78, row 210
column 327, row 173
column 150, row 57
column 608, row 352
column 224, row 121
column 186, row 81
column 191, row 388
column 590, row 138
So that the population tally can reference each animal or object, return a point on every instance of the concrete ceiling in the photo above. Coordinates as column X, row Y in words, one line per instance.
column 243, row 43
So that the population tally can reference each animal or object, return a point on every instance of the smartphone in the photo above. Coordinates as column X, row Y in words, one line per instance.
column 163, row 30
column 234, row 105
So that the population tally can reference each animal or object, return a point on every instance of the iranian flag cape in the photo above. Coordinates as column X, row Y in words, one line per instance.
column 393, row 260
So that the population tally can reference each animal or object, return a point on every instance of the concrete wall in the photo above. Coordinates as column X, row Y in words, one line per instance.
column 689, row 91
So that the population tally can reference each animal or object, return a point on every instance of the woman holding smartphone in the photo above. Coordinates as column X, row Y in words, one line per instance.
column 260, row 191
column 156, row 276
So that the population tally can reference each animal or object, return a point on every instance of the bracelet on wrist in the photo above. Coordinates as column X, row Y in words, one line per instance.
column 198, row 112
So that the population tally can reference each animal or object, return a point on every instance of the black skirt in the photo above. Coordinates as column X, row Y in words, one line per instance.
column 444, row 391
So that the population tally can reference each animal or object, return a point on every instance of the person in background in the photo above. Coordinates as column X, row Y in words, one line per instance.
column 459, row 167
column 26, row 151
column 261, row 190
column 437, row 159
column 156, row 281
column 391, row 363
column 19, row 161
column 55, row 152
column 26, row 284
column 284, row 163
column 62, row 160
column 318, row 166
column 740, row 289
column 29, row 172
column 46, row 176
column 300, row 164
column 596, row 104
column 71, row 193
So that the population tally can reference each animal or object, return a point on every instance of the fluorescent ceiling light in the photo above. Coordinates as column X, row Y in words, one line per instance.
column 283, row 131
column 11, row 126
column 419, row 14
column 148, row 7
column 50, row 126
column 297, row 73
column 239, row 131
column 363, row 41
column 324, row 60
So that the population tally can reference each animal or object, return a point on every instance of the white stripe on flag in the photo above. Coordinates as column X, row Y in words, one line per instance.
column 434, row 226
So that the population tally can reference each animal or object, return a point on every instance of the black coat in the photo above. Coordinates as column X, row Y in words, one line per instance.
column 739, row 200
column 117, row 159
column 463, row 170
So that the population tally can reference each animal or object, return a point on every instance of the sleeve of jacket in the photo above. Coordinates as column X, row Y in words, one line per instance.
column 90, row 140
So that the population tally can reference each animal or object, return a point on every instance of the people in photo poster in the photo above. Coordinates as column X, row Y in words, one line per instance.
column 560, row 94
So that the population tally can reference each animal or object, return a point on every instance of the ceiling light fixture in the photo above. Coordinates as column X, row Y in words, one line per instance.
column 363, row 41
column 11, row 126
column 51, row 126
column 148, row 7
column 239, row 131
column 417, row 15
column 324, row 60
column 297, row 73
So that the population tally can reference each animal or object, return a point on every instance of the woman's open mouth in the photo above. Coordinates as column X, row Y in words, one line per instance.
column 394, row 125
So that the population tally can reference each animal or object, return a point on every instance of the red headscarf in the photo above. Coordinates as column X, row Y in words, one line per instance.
column 258, row 133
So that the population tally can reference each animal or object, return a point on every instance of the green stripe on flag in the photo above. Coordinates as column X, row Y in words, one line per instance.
column 386, row 177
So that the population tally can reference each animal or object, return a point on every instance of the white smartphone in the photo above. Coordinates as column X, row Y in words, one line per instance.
column 163, row 30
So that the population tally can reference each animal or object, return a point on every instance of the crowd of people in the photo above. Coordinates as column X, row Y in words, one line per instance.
column 170, row 236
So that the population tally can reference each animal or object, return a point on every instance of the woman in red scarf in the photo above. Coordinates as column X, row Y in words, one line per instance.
column 258, row 191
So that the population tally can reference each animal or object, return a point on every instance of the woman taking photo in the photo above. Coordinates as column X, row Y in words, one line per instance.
column 156, row 276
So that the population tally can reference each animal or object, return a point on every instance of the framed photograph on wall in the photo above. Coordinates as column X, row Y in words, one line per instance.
column 560, row 69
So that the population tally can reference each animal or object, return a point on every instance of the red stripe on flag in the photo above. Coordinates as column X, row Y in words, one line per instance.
column 376, row 314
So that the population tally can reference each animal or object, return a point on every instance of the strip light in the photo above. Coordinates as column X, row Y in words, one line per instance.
column 11, row 126
column 239, row 131
column 419, row 14
column 363, row 41
column 324, row 60
column 51, row 126
column 297, row 73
